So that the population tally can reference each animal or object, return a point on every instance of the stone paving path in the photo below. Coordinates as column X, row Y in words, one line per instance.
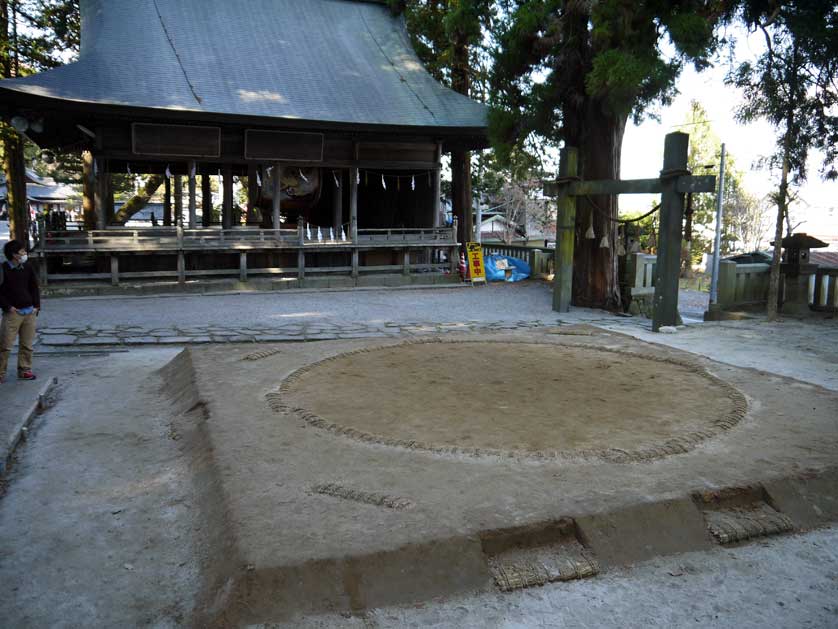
column 91, row 336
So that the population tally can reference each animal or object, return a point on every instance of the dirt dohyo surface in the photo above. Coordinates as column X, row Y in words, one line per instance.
column 535, row 398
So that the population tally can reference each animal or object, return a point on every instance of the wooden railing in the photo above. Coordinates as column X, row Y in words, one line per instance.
column 176, row 238
column 410, row 235
column 420, row 250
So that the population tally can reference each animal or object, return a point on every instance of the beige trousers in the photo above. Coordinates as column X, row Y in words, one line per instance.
column 14, row 324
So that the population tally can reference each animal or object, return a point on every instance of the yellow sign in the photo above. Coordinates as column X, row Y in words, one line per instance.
column 475, row 262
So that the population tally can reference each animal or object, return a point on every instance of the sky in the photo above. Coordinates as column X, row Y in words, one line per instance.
column 642, row 154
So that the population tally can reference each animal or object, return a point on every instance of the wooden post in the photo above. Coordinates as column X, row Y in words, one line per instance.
column 668, row 267
column 181, row 267
column 436, row 204
column 88, row 191
column 355, row 263
column 227, row 206
column 565, row 234
column 252, row 194
column 276, row 201
column 337, row 204
column 178, row 200
column 406, row 262
column 110, row 208
column 114, row 270
column 193, row 204
column 167, row 203
column 353, row 205
column 243, row 266
column 101, row 194
column 206, row 201
column 301, row 264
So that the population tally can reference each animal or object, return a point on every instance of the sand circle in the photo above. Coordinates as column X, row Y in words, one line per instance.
column 524, row 398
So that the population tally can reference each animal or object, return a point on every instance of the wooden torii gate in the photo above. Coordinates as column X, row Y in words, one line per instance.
column 673, row 183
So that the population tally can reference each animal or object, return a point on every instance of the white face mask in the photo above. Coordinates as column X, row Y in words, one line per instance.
column 24, row 258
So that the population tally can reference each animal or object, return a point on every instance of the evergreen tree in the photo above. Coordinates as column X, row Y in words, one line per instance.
column 574, row 72
column 792, row 85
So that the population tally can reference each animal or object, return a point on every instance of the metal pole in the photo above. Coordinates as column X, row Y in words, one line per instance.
column 714, row 278
column 479, row 229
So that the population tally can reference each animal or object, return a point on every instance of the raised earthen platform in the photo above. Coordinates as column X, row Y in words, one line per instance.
column 344, row 475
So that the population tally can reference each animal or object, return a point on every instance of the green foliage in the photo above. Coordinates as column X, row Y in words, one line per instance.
column 793, row 83
column 557, row 61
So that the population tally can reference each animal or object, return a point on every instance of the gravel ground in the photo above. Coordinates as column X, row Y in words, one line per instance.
column 496, row 302
column 777, row 582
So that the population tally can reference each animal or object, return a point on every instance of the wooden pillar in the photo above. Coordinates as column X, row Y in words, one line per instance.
column 337, row 204
column 101, row 194
column 301, row 264
column 437, row 188
column 276, row 200
column 181, row 267
column 206, row 201
column 167, row 203
column 406, row 262
column 243, row 266
column 668, row 266
column 565, row 225
column 252, row 194
column 178, row 200
column 353, row 205
column 110, row 206
column 227, row 205
column 88, row 202
column 115, row 270
column 193, row 203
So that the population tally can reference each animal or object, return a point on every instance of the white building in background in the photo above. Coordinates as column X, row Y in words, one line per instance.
column 42, row 193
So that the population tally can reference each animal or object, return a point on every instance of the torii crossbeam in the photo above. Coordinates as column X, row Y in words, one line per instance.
column 673, row 183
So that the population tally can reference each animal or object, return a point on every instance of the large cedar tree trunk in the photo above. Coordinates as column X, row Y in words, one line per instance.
column 599, row 137
column 14, row 163
column 590, row 125
column 14, row 166
column 461, row 203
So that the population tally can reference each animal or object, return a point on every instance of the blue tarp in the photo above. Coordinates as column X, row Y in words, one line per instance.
column 518, row 269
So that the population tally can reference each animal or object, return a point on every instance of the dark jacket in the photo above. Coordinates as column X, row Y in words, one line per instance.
column 19, row 287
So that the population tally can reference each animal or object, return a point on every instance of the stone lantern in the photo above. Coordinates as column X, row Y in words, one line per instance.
column 796, row 271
